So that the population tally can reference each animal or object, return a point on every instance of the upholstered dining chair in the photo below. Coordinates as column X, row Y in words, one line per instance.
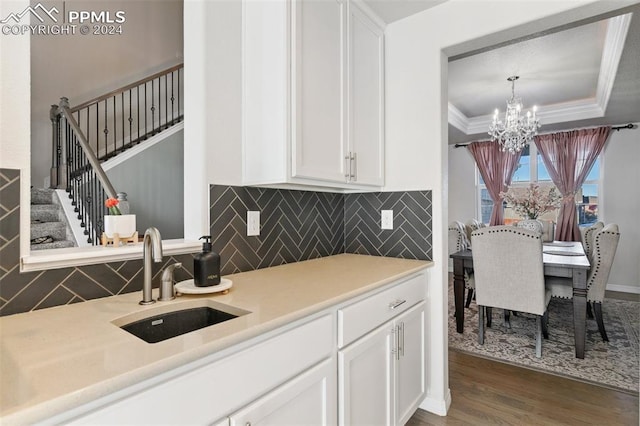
column 588, row 234
column 471, row 225
column 604, row 248
column 509, row 275
column 458, row 241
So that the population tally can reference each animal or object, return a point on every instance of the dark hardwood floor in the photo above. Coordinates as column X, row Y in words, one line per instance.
column 485, row 392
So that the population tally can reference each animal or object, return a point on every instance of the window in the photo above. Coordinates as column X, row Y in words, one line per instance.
column 531, row 169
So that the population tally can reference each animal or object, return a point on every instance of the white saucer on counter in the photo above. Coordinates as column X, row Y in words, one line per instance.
column 188, row 287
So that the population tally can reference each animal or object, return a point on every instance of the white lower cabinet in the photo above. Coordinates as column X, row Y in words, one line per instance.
column 381, row 376
column 359, row 363
column 309, row 399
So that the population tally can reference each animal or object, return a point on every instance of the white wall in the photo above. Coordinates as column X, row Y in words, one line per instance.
column 154, row 182
column 619, row 203
column 463, row 200
column 82, row 67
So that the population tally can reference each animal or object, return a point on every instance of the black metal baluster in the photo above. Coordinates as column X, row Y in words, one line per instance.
column 166, row 103
column 146, row 130
column 172, row 99
column 98, row 130
column 179, row 113
column 138, row 108
column 115, row 127
column 130, row 121
column 153, row 109
column 106, row 131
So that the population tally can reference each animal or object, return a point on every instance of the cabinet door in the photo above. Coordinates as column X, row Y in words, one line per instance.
column 309, row 399
column 410, row 365
column 318, row 89
column 366, row 98
column 365, row 377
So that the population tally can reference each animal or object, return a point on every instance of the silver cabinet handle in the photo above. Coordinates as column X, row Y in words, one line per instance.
column 354, row 167
column 401, row 347
column 347, row 162
column 395, row 304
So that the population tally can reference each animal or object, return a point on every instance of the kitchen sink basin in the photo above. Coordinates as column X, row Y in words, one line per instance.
column 163, row 326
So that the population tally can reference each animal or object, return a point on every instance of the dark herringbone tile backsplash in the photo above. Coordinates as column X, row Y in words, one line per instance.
column 295, row 226
column 302, row 225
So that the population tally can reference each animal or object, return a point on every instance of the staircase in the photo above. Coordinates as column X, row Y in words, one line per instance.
column 49, row 227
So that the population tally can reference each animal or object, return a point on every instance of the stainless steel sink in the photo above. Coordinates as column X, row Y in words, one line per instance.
column 159, row 326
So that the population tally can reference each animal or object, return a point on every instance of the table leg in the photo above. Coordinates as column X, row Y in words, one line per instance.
column 579, row 309
column 458, row 291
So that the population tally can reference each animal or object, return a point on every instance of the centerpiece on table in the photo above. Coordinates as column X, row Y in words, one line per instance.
column 531, row 202
column 118, row 227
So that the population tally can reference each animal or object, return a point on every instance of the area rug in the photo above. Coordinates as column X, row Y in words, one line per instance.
column 614, row 364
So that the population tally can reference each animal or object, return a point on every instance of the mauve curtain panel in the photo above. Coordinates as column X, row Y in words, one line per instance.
column 569, row 157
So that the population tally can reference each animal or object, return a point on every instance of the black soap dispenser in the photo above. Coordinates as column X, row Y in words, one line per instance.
column 206, row 265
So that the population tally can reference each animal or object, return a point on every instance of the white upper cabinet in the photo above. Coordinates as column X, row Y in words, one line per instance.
column 366, row 98
column 312, row 94
column 318, row 89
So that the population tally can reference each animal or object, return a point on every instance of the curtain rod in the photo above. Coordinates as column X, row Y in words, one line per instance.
column 616, row 128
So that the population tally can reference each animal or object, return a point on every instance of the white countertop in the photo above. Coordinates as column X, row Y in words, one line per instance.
column 58, row 358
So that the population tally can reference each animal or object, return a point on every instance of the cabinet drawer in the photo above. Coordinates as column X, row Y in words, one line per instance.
column 357, row 319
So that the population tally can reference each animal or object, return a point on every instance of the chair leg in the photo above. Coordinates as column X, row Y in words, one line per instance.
column 489, row 315
column 589, row 311
column 538, row 336
column 507, row 318
column 481, row 325
column 469, row 297
column 597, row 307
column 545, row 324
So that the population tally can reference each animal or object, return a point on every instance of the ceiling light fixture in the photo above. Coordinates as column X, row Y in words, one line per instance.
column 516, row 131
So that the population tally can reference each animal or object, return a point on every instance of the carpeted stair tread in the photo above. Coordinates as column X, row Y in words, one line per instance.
column 41, row 196
column 53, row 245
column 48, row 224
column 45, row 213
column 57, row 230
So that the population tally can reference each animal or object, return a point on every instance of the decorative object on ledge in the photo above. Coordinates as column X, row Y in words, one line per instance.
column 516, row 131
column 119, row 229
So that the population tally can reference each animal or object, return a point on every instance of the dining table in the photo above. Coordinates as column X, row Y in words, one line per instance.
column 565, row 259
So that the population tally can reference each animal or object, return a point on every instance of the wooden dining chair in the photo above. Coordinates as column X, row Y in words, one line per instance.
column 605, row 243
column 509, row 274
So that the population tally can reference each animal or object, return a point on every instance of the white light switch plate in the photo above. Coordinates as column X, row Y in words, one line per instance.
column 253, row 223
column 387, row 219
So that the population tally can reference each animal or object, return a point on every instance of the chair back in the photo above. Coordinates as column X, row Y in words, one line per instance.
column 472, row 225
column 587, row 235
column 508, row 269
column 605, row 244
column 457, row 237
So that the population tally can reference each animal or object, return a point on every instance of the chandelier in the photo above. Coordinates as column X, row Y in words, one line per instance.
column 516, row 131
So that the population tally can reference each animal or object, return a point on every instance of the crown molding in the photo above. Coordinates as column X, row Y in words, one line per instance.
column 617, row 29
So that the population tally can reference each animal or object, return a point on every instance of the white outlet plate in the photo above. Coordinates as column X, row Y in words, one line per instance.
column 386, row 221
column 253, row 223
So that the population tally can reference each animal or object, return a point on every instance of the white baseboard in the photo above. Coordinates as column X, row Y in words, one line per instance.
column 436, row 405
column 623, row 288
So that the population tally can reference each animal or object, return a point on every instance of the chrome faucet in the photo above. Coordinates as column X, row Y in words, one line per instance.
column 152, row 242
column 167, row 291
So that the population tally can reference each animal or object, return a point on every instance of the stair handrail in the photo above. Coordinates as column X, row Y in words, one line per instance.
column 125, row 88
column 82, row 140
column 87, row 134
